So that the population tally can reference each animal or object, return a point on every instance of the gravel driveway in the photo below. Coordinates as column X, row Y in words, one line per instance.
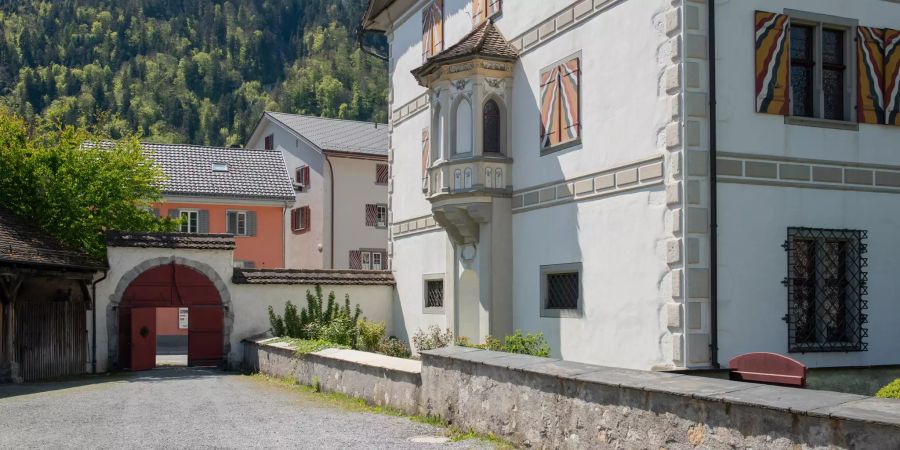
column 194, row 408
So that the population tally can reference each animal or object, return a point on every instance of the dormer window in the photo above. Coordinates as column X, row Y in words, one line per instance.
column 219, row 167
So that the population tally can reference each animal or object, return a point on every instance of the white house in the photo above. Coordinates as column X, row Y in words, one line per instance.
column 340, row 172
column 585, row 169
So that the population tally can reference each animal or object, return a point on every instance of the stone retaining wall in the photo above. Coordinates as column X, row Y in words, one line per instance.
column 378, row 379
column 545, row 402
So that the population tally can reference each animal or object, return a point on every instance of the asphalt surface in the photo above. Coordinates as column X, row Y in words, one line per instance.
column 195, row 408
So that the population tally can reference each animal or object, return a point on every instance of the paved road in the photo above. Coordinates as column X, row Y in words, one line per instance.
column 194, row 408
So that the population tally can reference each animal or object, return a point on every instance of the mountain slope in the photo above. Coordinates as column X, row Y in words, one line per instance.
column 200, row 71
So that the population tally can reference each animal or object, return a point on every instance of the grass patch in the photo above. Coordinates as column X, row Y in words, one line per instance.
column 307, row 346
column 346, row 402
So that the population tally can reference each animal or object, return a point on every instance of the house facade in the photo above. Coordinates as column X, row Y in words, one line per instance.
column 339, row 172
column 218, row 190
column 650, row 184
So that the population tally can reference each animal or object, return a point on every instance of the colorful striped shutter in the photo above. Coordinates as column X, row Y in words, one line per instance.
column 892, row 77
column 479, row 12
column 437, row 39
column 870, row 76
column 772, row 63
column 560, row 104
column 355, row 259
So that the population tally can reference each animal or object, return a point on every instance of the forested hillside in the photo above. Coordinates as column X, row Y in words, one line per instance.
column 199, row 71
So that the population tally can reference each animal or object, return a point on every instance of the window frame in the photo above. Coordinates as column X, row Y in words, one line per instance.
column 238, row 216
column 380, row 265
column 482, row 13
column 560, row 313
column 302, row 178
column 431, row 278
column 379, row 207
column 189, row 212
column 363, row 265
column 820, row 22
column 300, row 223
column 854, row 303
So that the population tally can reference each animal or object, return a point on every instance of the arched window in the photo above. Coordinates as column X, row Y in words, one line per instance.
column 437, row 140
column 492, row 127
column 462, row 122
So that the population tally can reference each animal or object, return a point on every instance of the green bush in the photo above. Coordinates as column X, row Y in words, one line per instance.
column 527, row 344
column 892, row 390
column 370, row 335
column 320, row 319
column 431, row 338
column 394, row 347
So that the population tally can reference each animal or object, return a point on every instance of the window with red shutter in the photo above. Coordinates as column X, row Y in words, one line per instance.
column 270, row 142
column 300, row 219
column 560, row 105
column 301, row 178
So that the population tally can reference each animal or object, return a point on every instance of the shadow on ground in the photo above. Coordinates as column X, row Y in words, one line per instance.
column 148, row 376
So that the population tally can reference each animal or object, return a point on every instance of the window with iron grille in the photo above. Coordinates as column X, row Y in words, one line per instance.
column 434, row 293
column 561, row 290
column 826, row 286
column 381, row 174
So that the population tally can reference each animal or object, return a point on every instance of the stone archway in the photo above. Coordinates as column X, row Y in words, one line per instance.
column 112, row 310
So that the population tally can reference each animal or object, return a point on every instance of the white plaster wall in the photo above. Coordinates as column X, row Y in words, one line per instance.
column 419, row 255
column 249, row 302
column 753, row 222
column 621, row 108
column 407, row 200
column 354, row 188
column 742, row 130
column 301, row 250
column 620, row 242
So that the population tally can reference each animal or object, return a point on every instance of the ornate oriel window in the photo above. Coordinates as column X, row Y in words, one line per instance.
column 492, row 127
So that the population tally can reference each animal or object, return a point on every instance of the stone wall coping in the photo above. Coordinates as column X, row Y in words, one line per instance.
column 809, row 402
column 377, row 360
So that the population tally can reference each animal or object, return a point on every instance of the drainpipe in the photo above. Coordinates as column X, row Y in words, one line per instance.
column 713, row 210
column 331, row 219
column 94, row 322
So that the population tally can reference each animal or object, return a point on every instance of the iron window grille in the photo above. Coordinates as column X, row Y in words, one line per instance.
column 826, row 286
column 434, row 293
column 562, row 290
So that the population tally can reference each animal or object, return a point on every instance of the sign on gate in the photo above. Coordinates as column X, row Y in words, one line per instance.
column 182, row 318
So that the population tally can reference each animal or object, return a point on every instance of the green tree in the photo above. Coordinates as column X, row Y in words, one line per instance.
column 76, row 184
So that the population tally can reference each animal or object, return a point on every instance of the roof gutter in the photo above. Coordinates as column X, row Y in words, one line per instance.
column 331, row 218
column 713, row 210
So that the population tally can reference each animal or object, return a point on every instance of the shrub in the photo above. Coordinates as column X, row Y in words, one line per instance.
column 318, row 320
column 431, row 338
column 370, row 335
column 892, row 390
column 394, row 347
column 528, row 344
column 277, row 323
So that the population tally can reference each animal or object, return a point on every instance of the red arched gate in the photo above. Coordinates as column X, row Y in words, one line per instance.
column 170, row 285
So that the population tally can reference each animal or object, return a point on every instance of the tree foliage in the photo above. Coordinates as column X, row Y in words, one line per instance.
column 198, row 72
column 73, row 191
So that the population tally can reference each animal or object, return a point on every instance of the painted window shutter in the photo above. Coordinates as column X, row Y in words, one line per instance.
column 560, row 103
column 355, row 259
column 426, row 33
column 251, row 223
column 426, row 152
column 306, row 218
column 174, row 213
column 231, row 222
column 306, row 176
column 371, row 211
column 870, row 78
column 298, row 175
column 493, row 7
column 203, row 219
column 773, row 51
column 479, row 12
column 294, row 221
column 432, row 29
column 892, row 76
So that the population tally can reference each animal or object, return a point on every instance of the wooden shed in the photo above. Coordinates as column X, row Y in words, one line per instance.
column 44, row 303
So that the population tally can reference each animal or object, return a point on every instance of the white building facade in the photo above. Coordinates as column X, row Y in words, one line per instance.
column 551, row 172
column 340, row 173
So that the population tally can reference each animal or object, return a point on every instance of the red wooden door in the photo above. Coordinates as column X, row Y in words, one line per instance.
column 143, row 338
column 205, row 337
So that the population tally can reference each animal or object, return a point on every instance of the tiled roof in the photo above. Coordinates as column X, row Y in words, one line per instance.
column 309, row 276
column 484, row 41
column 348, row 136
column 171, row 240
column 24, row 243
column 249, row 174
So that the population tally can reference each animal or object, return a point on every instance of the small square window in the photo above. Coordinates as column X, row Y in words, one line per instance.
column 561, row 294
column 434, row 294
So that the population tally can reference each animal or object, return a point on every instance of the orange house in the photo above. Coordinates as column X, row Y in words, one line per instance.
column 215, row 190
